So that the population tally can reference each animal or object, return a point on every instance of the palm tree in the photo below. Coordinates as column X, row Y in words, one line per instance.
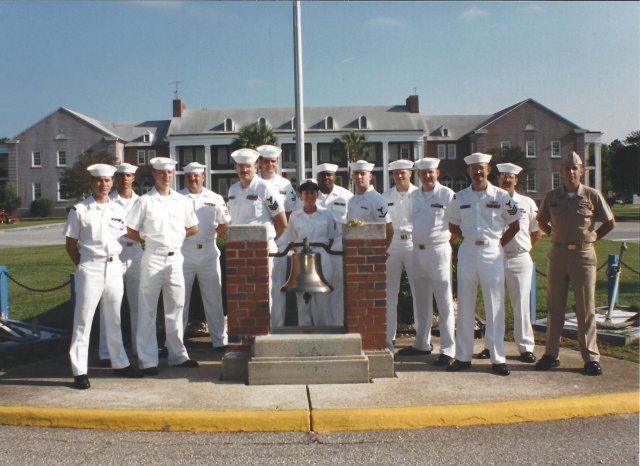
column 351, row 146
column 254, row 135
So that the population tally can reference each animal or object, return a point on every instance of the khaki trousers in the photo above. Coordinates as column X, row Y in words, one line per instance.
column 578, row 268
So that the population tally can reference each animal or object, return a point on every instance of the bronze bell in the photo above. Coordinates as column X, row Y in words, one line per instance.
column 306, row 273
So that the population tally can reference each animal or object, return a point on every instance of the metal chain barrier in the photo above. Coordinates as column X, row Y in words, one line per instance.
column 604, row 264
column 33, row 289
column 634, row 271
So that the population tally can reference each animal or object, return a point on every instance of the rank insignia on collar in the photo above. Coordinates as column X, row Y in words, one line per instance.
column 252, row 197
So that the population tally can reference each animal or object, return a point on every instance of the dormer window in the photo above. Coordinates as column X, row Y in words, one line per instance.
column 530, row 127
column 228, row 125
column 362, row 122
column 328, row 122
column 445, row 131
column 262, row 121
column 146, row 137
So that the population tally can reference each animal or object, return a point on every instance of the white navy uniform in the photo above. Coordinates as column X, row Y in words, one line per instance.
column 483, row 216
column 400, row 256
column 318, row 227
column 256, row 205
column 518, row 269
column 286, row 196
column 131, row 256
column 369, row 206
column 202, row 259
column 161, row 222
column 98, row 277
column 432, row 264
column 336, row 203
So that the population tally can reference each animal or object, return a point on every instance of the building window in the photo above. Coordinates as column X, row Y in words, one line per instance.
column 531, row 183
column 442, row 151
column 146, row 137
column 362, row 122
column 228, row 125
column 451, row 151
column 461, row 183
column 556, row 180
column 35, row 159
column 531, row 149
column 447, row 181
column 147, row 186
column 445, row 131
column 62, row 158
column 36, row 191
column 328, row 122
column 59, row 187
column 505, row 146
column 555, row 149
column 142, row 159
column 262, row 121
column 151, row 153
column 404, row 151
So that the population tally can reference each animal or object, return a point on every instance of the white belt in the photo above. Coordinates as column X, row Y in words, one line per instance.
column 511, row 255
column 484, row 242
column 428, row 245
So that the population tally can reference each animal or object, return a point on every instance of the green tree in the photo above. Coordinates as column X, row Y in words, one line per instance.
column 513, row 155
column 625, row 165
column 42, row 207
column 9, row 199
column 351, row 146
column 4, row 140
column 75, row 182
column 254, row 135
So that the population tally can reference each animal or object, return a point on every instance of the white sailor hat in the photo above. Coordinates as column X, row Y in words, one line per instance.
column 269, row 152
column 245, row 156
column 509, row 168
column 163, row 163
column 101, row 169
column 362, row 165
column 427, row 162
column 572, row 159
column 309, row 183
column 326, row 167
column 194, row 167
column 126, row 168
column 402, row 164
column 477, row 157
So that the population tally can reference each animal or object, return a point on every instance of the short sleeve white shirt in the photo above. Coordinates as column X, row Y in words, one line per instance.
column 528, row 224
column 368, row 207
column 399, row 204
column 428, row 214
column 211, row 211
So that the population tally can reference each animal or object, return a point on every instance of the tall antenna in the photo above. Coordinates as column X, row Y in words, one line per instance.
column 177, row 83
column 415, row 91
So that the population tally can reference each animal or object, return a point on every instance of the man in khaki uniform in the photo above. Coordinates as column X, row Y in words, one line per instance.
column 568, row 214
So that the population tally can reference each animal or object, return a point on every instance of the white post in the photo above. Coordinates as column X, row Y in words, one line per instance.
column 297, row 51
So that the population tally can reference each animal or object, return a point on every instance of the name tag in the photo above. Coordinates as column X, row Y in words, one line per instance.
column 282, row 192
column 438, row 206
column 493, row 205
column 339, row 203
column 363, row 207
column 252, row 197
column 389, row 204
column 466, row 206
column 210, row 204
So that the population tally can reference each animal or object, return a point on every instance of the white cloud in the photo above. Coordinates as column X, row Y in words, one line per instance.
column 472, row 13
column 385, row 21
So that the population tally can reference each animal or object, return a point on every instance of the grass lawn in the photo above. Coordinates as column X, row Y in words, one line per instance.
column 32, row 222
column 626, row 212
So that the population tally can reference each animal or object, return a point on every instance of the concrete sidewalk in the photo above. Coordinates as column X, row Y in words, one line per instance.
column 421, row 395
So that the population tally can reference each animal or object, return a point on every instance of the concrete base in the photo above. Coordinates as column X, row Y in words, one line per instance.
column 380, row 363
column 234, row 366
column 308, row 359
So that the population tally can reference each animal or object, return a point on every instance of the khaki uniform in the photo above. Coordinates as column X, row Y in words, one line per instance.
column 572, row 259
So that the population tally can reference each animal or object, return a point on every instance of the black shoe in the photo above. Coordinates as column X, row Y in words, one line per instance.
column 188, row 363
column 220, row 349
column 81, row 382
column 105, row 363
column 484, row 354
column 458, row 365
column 163, row 352
column 411, row 351
column 547, row 362
column 500, row 369
column 129, row 372
column 443, row 360
column 528, row 357
column 150, row 371
column 593, row 368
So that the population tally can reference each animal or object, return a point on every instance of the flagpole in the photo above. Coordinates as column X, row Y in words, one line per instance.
column 299, row 115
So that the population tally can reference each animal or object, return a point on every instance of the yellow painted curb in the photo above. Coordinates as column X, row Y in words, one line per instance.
column 170, row 421
column 331, row 420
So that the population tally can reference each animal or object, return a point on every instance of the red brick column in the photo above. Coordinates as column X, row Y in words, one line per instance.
column 247, row 272
column 365, row 283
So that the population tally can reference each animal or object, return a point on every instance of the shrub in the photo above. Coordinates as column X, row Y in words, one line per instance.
column 42, row 207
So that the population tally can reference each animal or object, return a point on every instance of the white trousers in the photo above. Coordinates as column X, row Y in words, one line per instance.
column 336, row 297
column 277, row 280
column 160, row 272
column 517, row 277
column 484, row 265
column 95, row 281
column 318, row 310
column 433, row 278
column 131, row 275
column 400, row 256
column 205, row 264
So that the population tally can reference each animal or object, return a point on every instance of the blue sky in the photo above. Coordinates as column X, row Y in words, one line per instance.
column 114, row 61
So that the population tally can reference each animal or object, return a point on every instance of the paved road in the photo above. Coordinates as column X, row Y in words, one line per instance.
column 625, row 231
column 608, row 440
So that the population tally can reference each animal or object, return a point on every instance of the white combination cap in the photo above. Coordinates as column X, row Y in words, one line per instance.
column 245, row 156
column 326, row 167
column 126, row 168
column 427, row 162
column 572, row 159
column 362, row 165
column 477, row 157
column 403, row 164
column 101, row 169
column 194, row 167
column 269, row 152
column 163, row 163
column 509, row 168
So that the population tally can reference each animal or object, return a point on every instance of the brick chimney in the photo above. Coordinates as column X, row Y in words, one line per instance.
column 412, row 104
column 178, row 108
